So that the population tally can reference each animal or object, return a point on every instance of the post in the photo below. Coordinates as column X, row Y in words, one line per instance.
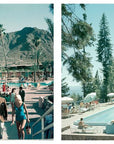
column 42, row 127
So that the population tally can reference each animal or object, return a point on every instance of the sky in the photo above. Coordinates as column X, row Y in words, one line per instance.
column 94, row 14
column 15, row 17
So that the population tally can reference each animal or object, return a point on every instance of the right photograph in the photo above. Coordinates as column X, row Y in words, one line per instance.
column 87, row 82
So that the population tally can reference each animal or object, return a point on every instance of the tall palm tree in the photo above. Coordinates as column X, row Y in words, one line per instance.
column 3, row 45
column 49, row 21
column 50, row 27
column 38, row 53
column 51, row 7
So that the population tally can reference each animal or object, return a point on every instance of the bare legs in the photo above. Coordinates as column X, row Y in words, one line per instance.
column 20, row 129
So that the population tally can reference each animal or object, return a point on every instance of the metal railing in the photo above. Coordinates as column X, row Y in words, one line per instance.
column 43, row 129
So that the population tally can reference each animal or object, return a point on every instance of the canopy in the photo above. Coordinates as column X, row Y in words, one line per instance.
column 90, row 97
column 66, row 99
column 110, row 95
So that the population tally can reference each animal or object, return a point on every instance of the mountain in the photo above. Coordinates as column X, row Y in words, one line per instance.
column 20, row 49
column 76, row 90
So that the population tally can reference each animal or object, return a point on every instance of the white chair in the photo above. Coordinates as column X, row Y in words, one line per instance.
column 75, row 128
column 65, row 110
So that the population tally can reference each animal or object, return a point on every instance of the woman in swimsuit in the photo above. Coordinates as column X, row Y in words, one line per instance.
column 81, row 124
column 19, row 108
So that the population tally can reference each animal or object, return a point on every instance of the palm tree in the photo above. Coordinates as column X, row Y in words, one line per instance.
column 45, row 67
column 38, row 53
column 49, row 21
column 3, row 45
column 51, row 7
column 50, row 27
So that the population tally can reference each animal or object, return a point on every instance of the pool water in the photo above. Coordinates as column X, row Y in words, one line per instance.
column 19, row 84
column 99, row 119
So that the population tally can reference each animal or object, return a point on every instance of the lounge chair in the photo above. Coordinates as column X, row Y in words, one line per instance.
column 82, row 110
column 77, row 129
column 73, row 110
column 65, row 111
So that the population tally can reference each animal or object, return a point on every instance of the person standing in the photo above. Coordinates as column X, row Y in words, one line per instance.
column 19, row 107
column 22, row 93
column 3, row 115
column 12, row 98
column 4, row 87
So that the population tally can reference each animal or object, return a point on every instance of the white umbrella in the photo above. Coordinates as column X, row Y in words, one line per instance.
column 90, row 97
column 66, row 99
column 110, row 95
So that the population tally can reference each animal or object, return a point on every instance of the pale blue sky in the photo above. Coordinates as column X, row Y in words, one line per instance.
column 15, row 17
column 94, row 13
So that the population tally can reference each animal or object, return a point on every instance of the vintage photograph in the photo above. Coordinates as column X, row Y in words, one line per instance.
column 26, row 71
column 87, row 100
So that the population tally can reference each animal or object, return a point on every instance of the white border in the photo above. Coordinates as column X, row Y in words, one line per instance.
column 27, row 1
column 57, row 71
column 57, row 67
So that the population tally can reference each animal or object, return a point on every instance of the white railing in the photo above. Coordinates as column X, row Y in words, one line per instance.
column 42, row 124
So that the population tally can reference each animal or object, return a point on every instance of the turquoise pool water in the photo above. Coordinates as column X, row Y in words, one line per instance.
column 99, row 119
column 19, row 84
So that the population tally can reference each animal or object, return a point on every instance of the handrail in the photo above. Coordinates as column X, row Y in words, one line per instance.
column 50, row 109
column 49, row 126
column 42, row 121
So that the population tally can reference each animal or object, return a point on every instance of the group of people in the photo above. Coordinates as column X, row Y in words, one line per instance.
column 18, row 108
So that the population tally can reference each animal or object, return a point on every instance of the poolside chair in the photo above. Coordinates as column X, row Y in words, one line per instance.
column 65, row 111
column 73, row 110
column 76, row 129
column 82, row 110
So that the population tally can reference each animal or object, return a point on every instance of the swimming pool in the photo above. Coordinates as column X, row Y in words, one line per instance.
column 19, row 84
column 99, row 119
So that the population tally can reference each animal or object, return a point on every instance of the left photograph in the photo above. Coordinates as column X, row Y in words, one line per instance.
column 26, row 71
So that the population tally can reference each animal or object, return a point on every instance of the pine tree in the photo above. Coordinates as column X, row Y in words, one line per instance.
column 104, row 52
column 111, row 79
column 65, row 88
column 77, row 34
column 88, row 85
column 97, row 84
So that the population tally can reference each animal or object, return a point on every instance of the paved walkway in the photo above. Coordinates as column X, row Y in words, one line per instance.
column 31, row 101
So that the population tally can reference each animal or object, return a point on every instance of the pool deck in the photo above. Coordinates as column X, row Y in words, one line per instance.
column 99, row 135
column 31, row 100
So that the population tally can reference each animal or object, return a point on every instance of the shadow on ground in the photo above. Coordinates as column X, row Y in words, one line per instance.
column 11, row 130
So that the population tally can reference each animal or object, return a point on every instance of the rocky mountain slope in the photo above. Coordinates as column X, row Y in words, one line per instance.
column 20, row 48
